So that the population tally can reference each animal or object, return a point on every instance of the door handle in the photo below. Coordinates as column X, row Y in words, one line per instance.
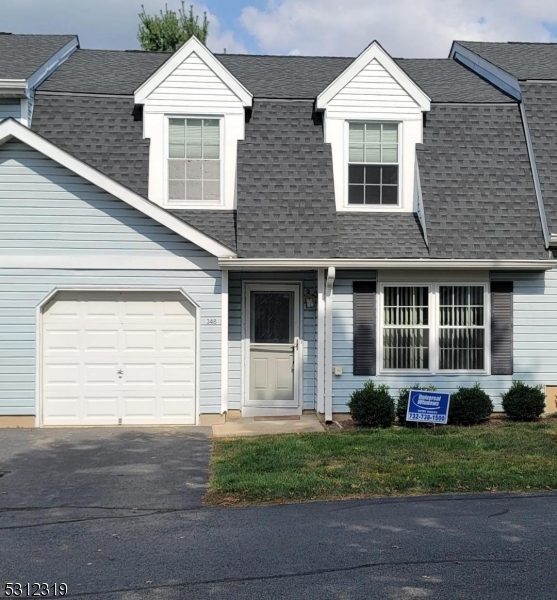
column 120, row 372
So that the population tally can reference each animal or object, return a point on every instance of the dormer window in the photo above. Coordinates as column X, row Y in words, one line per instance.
column 373, row 164
column 194, row 165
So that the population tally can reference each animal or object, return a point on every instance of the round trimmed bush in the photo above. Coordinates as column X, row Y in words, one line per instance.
column 523, row 402
column 372, row 406
column 404, row 396
column 469, row 406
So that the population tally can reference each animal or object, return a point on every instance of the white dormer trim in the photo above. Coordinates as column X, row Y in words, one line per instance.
column 374, row 52
column 10, row 129
column 193, row 45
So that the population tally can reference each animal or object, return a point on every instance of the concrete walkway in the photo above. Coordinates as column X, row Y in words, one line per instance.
column 249, row 426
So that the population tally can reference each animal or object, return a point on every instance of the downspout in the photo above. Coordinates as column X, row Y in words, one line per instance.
column 224, row 343
column 320, row 372
column 329, row 344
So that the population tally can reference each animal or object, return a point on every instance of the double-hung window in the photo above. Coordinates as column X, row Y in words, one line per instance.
column 434, row 328
column 194, row 164
column 461, row 328
column 406, row 328
column 373, row 168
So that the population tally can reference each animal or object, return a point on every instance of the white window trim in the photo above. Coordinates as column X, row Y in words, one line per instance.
column 434, row 329
column 372, row 207
column 206, row 205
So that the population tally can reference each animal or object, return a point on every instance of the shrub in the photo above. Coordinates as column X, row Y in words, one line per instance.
column 469, row 406
column 404, row 396
column 523, row 402
column 372, row 406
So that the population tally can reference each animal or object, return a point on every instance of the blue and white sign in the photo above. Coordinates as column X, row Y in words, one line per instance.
column 428, row 407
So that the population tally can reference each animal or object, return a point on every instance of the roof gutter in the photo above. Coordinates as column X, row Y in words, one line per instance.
column 13, row 88
column 274, row 264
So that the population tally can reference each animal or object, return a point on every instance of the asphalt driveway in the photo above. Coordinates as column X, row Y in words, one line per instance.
column 104, row 467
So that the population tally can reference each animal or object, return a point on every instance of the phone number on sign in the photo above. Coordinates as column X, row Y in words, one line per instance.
column 432, row 418
column 37, row 590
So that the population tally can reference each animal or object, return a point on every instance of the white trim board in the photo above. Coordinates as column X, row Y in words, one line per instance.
column 193, row 45
column 12, row 129
column 374, row 52
column 272, row 264
column 107, row 262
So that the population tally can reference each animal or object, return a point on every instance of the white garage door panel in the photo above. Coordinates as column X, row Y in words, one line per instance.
column 119, row 357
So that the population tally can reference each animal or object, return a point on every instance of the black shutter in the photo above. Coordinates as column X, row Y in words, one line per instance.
column 364, row 327
column 501, row 327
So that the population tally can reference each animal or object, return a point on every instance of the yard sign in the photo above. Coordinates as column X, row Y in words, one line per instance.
column 428, row 407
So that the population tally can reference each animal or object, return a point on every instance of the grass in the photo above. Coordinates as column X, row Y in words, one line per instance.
column 390, row 462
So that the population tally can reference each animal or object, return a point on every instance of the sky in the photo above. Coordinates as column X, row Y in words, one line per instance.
column 405, row 28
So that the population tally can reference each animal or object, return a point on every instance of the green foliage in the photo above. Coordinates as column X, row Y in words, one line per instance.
column 469, row 406
column 523, row 402
column 169, row 30
column 372, row 406
column 404, row 396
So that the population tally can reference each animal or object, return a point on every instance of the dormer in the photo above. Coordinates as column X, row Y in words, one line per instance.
column 373, row 119
column 193, row 115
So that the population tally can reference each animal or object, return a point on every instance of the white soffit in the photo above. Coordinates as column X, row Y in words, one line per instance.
column 193, row 45
column 374, row 52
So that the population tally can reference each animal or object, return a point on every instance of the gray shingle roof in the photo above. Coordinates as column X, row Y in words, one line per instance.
column 286, row 202
column 282, row 77
column 523, row 60
column 477, row 185
column 100, row 131
column 540, row 102
column 104, row 72
column 445, row 80
column 104, row 133
column 218, row 224
column 285, row 194
column 380, row 235
column 22, row 55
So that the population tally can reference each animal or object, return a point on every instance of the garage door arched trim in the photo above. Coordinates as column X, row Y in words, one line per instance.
column 133, row 289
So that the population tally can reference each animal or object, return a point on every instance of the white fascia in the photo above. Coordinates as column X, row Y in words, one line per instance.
column 274, row 264
column 12, row 129
column 191, row 46
column 374, row 52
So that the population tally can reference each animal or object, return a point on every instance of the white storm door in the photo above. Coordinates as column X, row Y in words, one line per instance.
column 273, row 338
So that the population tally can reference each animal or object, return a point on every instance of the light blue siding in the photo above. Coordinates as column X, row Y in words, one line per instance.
column 47, row 210
column 10, row 108
column 309, row 329
column 535, row 340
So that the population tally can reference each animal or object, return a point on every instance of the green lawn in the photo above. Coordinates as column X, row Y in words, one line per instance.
column 400, row 461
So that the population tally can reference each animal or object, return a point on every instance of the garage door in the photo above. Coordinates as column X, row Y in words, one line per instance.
column 114, row 358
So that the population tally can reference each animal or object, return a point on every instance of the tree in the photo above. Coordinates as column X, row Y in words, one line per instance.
column 167, row 31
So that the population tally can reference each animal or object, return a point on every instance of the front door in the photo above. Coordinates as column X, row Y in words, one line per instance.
column 273, row 338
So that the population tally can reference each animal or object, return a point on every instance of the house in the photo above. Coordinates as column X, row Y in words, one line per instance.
column 191, row 237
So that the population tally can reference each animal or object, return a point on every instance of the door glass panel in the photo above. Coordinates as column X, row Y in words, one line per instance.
column 272, row 318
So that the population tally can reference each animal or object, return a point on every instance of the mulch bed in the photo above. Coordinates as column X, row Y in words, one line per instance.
column 494, row 421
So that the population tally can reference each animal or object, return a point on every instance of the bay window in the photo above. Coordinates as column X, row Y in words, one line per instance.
column 433, row 328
